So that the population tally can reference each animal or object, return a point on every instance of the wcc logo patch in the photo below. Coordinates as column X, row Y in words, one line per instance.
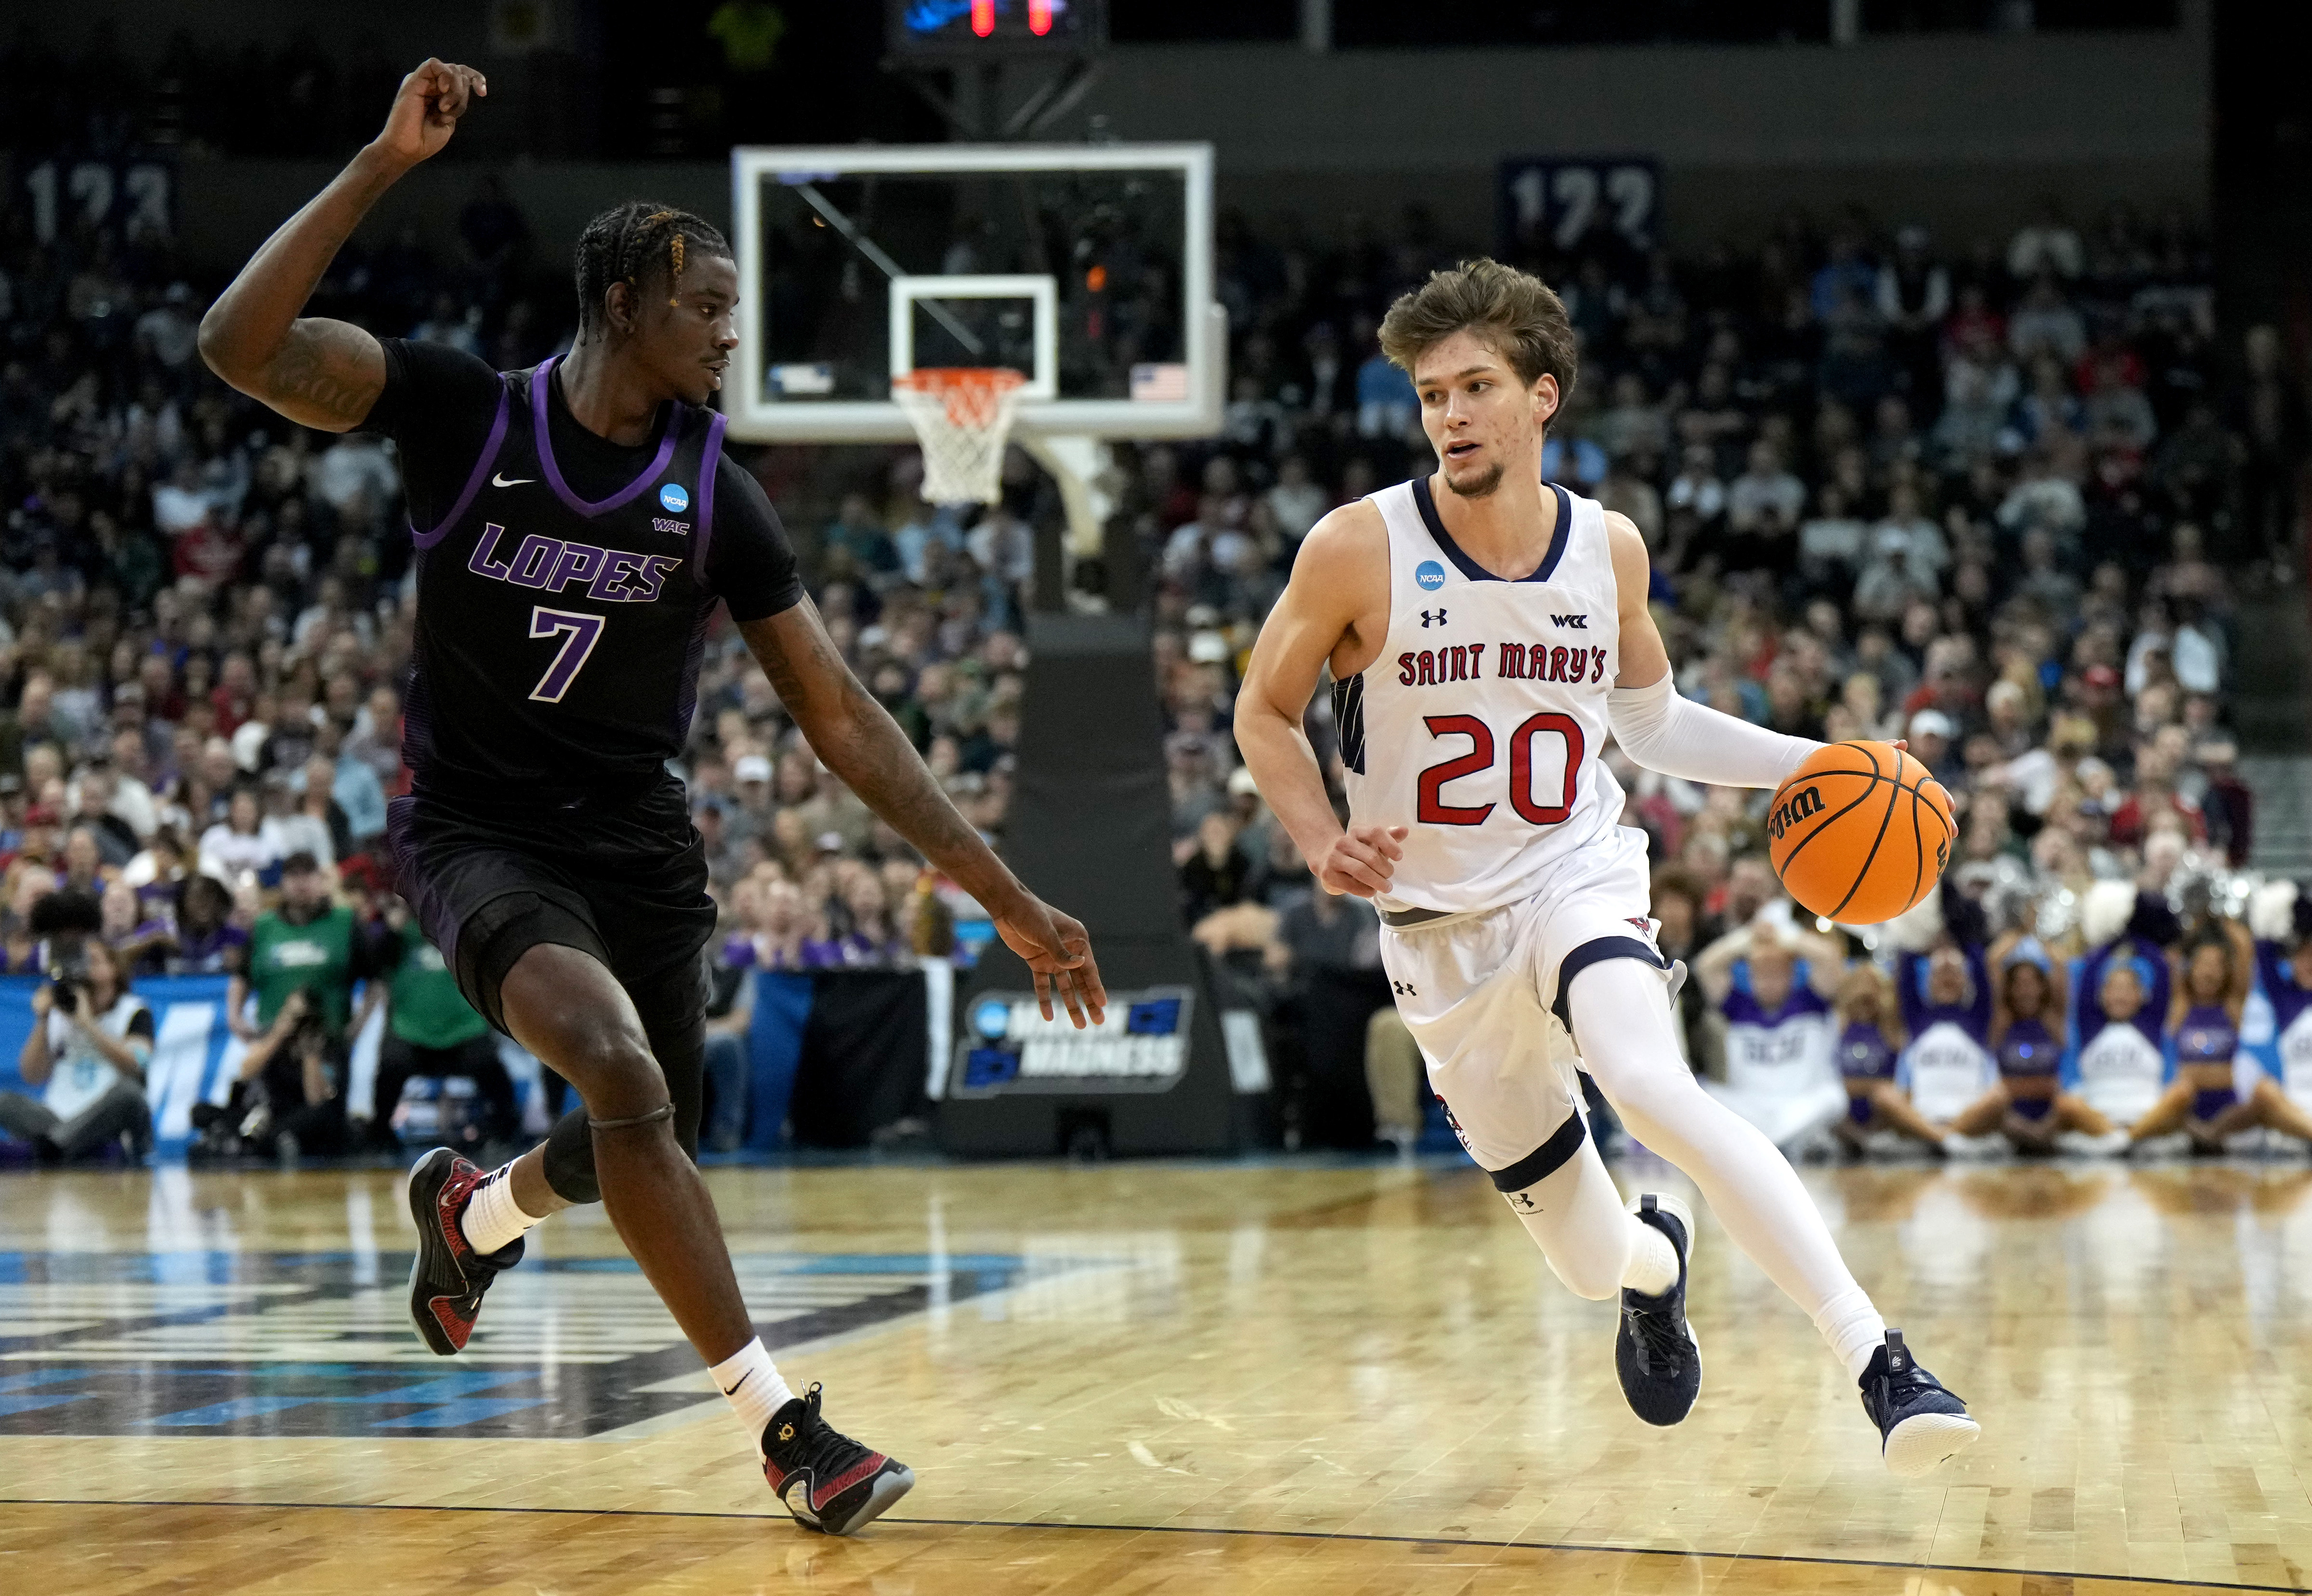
column 674, row 498
column 1428, row 575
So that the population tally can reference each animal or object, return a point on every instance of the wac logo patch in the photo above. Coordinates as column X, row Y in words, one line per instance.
column 1577, row 623
column 1802, row 804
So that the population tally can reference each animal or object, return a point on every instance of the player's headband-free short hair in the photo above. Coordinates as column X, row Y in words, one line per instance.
column 629, row 242
column 1515, row 312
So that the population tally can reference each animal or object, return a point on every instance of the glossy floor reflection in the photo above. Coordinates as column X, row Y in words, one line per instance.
column 1152, row 1378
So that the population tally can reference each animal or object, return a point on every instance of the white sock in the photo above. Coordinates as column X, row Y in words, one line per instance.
column 493, row 1219
column 751, row 1382
column 1852, row 1327
column 1760, row 1203
column 1653, row 1262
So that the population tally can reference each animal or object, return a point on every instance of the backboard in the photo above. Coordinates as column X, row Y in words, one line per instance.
column 1086, row 267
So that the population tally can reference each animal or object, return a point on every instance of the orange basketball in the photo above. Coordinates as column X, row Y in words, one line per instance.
column 1860, row 831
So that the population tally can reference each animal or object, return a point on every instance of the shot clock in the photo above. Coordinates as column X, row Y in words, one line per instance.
column 993, row 30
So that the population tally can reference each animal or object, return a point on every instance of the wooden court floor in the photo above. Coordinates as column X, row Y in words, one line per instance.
column 1152, row 1378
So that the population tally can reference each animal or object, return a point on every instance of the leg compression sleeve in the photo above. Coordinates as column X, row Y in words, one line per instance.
column 1620, row 1023
column 1574, row 1214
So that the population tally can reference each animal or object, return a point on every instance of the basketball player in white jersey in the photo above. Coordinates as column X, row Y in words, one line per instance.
column 1487, row 634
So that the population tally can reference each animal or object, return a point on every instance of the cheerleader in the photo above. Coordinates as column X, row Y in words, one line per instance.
column 2209, row 1098
column 2028, row 1102
column 1945, row 996
column 2281, row 917
column 1771, row 989
column 1871, row 1038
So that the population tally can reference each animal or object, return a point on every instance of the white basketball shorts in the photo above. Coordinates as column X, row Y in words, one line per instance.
column 1484, row 996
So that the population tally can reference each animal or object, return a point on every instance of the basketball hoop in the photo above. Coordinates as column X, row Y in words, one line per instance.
column 962, row 414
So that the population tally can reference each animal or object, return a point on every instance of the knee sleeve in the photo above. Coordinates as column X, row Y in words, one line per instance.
column 673, row 1010
column 570, row 1159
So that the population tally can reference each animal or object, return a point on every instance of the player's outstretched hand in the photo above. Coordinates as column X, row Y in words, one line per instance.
column 426, row 109
column 1058, row 951
column 1362, row 859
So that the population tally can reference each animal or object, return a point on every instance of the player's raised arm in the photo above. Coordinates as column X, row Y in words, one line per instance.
column 316, row 371
column 864, row 747
column 1337, row 599
column 1654, row 726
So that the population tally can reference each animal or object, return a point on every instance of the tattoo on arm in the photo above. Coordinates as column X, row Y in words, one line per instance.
column 327, row 374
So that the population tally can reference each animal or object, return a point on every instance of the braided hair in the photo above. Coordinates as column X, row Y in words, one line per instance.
column 633, row 240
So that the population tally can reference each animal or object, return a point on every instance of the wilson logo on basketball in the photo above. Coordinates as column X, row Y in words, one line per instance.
column 1799, row 805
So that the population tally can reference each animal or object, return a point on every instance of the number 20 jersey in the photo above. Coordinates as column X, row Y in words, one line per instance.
column 1478, row 726
column 559, row 638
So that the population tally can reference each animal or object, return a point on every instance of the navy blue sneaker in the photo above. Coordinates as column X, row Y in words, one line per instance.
column 1655, row 1352
column 1920, row 1424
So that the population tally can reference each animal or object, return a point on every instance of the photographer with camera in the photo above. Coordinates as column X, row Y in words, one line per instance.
column 90, row 1042
column 304, row 959
column 287, row 1100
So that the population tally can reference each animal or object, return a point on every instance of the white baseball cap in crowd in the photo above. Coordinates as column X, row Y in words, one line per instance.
column 751, row 767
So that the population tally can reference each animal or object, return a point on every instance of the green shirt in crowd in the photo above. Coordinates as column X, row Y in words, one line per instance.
column 427, row 1007
column 317, row 956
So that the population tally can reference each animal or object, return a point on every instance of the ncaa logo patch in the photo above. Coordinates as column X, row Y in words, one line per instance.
column 1428, row 575
column 674, row 497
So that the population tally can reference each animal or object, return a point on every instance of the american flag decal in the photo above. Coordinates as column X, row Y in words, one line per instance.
column 1160, row 382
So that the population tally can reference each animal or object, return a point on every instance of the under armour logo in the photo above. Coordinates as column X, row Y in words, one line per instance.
column 1427, row 614
column 1403, row 989
column 1523, row 1200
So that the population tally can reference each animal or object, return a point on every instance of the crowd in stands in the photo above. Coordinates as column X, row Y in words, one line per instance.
column 1999, row 503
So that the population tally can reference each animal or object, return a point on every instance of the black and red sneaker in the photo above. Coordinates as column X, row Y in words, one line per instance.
column 447, row 1277
column 828, row 1480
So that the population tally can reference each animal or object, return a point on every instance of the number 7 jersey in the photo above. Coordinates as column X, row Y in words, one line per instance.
column 1478, row 726
column 559, row 638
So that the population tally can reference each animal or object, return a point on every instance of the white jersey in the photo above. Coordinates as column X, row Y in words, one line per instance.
column 2120, row 1072
column 1945, row 1069
column 1478, row 726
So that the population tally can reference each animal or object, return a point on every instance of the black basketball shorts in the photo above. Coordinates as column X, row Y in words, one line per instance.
column 623, row 880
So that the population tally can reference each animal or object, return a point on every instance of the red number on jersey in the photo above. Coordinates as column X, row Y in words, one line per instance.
column 1521, row 766
column 1434, row 810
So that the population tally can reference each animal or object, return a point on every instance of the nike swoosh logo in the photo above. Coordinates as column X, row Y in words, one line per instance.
column 499, row 480
column 750, row 1375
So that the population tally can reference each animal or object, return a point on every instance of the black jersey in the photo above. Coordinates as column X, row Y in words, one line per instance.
column 565, row 583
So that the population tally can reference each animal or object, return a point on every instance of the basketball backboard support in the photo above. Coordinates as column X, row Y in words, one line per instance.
column 1089, row 268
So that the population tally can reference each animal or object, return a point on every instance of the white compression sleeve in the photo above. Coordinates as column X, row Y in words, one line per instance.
column 1620, row 1023
column 1592, row 1242
column 1679, row 737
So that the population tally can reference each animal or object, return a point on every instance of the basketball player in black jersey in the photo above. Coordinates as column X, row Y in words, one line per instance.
column 576, row 526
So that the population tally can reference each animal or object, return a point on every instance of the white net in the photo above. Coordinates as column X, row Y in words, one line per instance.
column 962, row 414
